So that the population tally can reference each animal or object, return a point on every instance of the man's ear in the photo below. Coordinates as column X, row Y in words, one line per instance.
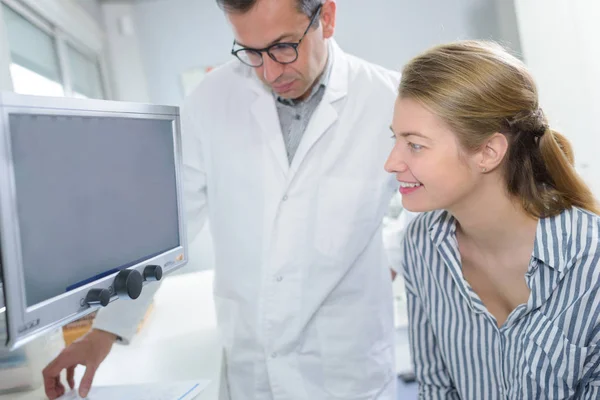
column 327, row 18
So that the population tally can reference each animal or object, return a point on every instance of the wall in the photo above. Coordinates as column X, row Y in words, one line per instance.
column 560, row 46
column 93, row 8
column 176, row 35
column 180, row 34
column 391, row 32
column 508, row 27
column 127, row 71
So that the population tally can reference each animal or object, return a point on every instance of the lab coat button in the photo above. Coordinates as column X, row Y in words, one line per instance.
column 274, row 355
column 279, row 278
column 285, row 198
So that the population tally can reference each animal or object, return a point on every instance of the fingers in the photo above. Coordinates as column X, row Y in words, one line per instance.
column 51, row 374
column 86, row 381
column 64, row 360
column 71, row 376
column 53, row 387
column 85, row 352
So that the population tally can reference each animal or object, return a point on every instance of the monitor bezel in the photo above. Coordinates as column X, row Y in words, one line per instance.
column 25, row 323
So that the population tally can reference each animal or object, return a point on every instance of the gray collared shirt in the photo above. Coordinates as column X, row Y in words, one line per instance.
column 294, row 115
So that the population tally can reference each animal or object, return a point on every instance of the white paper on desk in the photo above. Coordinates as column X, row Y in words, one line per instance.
column 187, row 390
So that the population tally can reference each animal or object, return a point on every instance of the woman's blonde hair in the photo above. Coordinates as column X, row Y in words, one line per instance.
column 479, row 89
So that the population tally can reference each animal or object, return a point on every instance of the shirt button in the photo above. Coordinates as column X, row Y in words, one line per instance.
column 297, row 117
column 279, row 278
column 285, row 198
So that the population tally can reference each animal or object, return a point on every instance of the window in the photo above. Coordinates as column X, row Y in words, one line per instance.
column 34, row 64
column 45, row 61
column 86, row 78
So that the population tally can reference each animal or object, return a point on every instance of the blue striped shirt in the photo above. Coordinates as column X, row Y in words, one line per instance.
column 548, row 348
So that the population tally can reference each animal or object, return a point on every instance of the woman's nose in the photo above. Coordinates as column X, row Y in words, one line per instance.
column 395, row 162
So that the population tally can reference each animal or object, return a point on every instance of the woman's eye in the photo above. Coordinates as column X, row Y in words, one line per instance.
column 415, row 147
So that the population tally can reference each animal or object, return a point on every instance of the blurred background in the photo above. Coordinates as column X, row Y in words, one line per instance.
column 156, row 51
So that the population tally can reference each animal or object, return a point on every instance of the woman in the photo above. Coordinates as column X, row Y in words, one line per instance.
column 502, row 270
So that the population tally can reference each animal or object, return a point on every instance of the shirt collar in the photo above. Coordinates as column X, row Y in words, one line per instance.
column 322, row 82
column 552, row 239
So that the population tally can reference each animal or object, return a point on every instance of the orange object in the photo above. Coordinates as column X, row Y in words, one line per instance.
column 77, row 329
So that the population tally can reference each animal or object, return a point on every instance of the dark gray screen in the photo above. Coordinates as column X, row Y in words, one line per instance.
column 94, row 194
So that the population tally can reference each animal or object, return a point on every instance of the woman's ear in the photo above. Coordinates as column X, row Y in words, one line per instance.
column 493, row 152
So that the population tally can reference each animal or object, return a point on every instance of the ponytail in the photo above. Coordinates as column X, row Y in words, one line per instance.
column 540, row 168
column 567, row 185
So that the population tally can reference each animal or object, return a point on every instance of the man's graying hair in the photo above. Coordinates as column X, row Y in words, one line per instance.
column 307, row 7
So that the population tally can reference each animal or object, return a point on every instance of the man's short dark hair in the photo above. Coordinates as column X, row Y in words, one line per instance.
column 307, row 7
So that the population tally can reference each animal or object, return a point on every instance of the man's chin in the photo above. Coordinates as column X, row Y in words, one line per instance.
column 288, row 95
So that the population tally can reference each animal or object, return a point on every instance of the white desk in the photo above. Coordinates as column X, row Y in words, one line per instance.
column 178, row 342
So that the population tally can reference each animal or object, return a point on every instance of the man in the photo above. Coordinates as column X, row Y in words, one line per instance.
column 284, row 151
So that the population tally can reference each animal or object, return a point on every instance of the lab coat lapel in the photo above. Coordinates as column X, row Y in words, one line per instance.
column 265, row 114
column 326, row 113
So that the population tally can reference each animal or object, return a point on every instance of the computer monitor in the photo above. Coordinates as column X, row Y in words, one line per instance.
column 3, row 329
column 90, row 206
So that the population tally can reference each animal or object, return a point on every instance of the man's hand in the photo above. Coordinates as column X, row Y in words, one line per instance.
column 89, row 351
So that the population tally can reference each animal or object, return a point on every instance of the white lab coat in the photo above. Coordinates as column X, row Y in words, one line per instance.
column 302, row 283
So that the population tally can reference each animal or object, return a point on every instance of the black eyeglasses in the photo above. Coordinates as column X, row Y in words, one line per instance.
column 283, row 53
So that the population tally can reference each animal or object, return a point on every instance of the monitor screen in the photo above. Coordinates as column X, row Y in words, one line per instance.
column 94, row 195
column 90, row 207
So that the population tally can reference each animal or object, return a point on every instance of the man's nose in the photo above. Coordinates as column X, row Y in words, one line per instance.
column 271, row 69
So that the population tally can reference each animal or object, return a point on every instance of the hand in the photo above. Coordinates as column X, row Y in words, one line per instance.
column 90, row 351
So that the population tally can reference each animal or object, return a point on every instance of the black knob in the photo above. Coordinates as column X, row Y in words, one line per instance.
column 98, row 296
column 128, row 282
column 153, row 273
